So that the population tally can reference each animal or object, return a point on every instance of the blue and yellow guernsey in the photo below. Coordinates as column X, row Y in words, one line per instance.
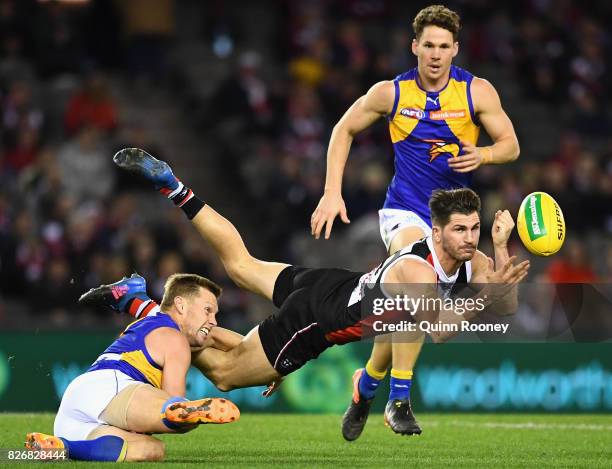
column 426, row 128
column 129, row 354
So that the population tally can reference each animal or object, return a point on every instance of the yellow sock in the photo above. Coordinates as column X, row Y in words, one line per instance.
column 373, row 372
column 401, row 374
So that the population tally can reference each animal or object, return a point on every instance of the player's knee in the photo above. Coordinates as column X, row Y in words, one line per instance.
column 156, row 451
column 238, row 272
column 219, row 377
column 224, row 385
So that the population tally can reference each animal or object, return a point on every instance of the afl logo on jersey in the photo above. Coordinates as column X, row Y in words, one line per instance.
column 440, row 147
column 412, row 113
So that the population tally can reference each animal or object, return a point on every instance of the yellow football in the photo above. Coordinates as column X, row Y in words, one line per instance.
column 540, row 224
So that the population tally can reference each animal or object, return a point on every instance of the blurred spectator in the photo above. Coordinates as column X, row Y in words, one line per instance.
column 59, row 49
column 23, row 154
column 91, row 106
column 246, row 97
column 86, row 169
column 148, row 24
column 573, row 266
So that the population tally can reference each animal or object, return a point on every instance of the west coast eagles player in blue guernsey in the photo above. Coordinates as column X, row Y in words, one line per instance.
column 435, row 112
column 137, row 385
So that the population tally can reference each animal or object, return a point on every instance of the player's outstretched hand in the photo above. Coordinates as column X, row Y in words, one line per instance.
column 471, row 159
column 330, row 206
column 272, row 387
column 509, row 274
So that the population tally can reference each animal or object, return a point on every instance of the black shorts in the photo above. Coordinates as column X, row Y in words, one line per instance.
column 295, row 334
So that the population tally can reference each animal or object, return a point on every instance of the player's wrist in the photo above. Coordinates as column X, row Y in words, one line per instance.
column 335, row 191
column 486, row 154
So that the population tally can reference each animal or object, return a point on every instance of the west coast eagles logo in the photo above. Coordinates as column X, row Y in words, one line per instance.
column 440, row 147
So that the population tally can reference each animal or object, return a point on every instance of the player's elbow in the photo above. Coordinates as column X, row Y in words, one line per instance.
column 516, row 151
column 342, row 130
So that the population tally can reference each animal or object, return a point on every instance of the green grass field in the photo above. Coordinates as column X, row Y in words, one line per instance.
column 448, row 440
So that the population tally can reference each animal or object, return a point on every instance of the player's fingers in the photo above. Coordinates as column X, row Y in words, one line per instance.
column 505, row 215
column 314, row 224
column 517, row 277
column 318, row 228
column 508, row 265
column 343, row 215
column 519, row 272
column 466, row 170
column 461, row 159
column 330, row 224
column 456, row 165
column 521, row 278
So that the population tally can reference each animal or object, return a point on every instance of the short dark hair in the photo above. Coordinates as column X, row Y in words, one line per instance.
column 437, row 15
column 443, row 203
column 186, row 285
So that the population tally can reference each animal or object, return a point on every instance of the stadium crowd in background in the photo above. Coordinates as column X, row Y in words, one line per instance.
column 67, row 222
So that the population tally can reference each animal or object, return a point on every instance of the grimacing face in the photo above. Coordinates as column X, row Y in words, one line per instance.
column 199, row 316
column 435, row 50
column 460, row 236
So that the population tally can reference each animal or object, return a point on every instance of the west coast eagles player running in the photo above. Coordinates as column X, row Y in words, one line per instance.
column 137, row 386
column 435, row 112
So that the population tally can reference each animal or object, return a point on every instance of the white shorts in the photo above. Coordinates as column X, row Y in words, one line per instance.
column 393, row 220
column 85, row 399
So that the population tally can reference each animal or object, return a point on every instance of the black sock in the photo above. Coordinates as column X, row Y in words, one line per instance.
column 187, row 201
column 192, row 206
column 182, row 197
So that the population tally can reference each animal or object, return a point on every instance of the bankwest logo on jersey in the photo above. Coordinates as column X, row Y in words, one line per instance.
column 440, row 147
column 444, row 115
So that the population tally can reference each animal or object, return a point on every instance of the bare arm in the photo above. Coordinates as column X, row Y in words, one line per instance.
column 377, row 103
column 497, row 124
column 224, row 339
column 170, row 349
column 503, row 224
column 407, row 274
column 418, row 280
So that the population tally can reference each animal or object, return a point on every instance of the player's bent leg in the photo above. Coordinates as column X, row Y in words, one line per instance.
column 381, row 354
column 139, row 447
column 109, row 448
column 243, row 366
column 406, row 348
column 365, row 383
column 143, row 408
column 405, row 237
column 246, row 271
